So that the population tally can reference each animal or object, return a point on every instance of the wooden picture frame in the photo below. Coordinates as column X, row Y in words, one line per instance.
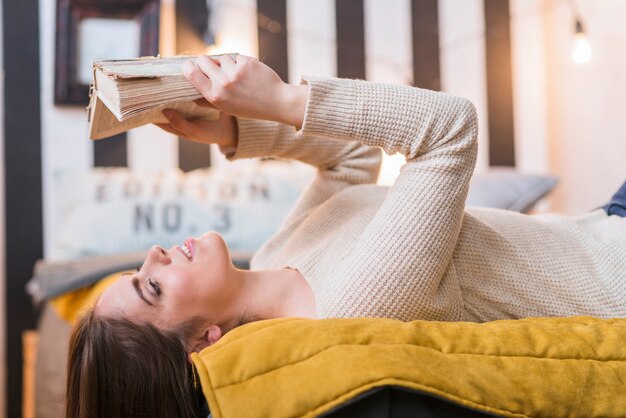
column 86, row 29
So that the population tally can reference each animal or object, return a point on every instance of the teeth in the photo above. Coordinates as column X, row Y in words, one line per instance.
column 186, row 251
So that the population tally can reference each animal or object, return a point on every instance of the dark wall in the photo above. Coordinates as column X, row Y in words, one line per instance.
column 23, row 188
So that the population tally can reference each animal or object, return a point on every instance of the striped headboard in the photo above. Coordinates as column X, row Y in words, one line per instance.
column 459, row 46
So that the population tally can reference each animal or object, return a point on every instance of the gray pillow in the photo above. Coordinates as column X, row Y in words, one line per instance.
column 504, row 188
column 54, row 278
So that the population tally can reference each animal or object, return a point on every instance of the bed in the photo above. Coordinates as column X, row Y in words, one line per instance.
column 266, row 187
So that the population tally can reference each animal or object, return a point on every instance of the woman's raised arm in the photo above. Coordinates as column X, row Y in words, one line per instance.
column 397, row 266
column 268, row 112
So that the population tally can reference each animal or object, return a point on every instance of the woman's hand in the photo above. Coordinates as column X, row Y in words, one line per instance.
column 243, row 86
column 222, row 132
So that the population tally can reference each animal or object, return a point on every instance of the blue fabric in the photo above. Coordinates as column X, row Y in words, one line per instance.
column 617, row 204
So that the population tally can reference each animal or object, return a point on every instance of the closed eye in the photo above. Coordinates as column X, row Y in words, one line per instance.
column 137, row 288
column 155, row 286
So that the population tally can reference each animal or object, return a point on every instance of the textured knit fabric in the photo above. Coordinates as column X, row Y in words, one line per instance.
column 411, row 251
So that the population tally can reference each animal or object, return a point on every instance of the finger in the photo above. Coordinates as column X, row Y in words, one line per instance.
column 204, row 103
column 179, row 123
column 209, row 68
column 197, row 78
column 168, row 128
column 227, row 62
column 239, row 59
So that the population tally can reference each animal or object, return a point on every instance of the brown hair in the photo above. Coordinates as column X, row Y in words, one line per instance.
column 121, row 369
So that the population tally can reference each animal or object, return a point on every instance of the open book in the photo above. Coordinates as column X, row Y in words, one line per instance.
column 129, row 93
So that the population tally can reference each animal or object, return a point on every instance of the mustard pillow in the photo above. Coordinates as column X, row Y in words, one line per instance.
column 70, row 306
column 535, row 367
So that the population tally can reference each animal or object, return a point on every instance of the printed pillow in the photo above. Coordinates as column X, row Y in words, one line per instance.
column 114, row 210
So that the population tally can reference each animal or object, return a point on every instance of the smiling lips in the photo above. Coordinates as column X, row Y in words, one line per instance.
column 186, row 251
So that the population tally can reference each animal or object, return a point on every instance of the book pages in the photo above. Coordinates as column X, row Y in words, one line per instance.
column 103, row 123
column 133, row 92
column 149, row 67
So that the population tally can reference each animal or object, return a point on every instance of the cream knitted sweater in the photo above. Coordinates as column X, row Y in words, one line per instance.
column 411, row 251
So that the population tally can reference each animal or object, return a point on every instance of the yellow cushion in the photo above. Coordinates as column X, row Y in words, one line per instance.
column 556, row 367
column 70, row 306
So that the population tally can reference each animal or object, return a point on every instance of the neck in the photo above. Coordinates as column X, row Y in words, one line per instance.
column 268, row 294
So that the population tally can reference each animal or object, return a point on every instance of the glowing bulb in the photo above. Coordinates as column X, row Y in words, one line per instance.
column 230, row 45
column 581, row 52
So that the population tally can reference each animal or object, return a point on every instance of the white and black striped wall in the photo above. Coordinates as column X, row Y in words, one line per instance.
column 465, row 47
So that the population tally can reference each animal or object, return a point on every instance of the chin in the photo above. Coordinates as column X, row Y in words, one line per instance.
column 212, row 237
column 216, row 247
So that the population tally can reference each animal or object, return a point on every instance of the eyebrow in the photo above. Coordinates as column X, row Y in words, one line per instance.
column 135, row 282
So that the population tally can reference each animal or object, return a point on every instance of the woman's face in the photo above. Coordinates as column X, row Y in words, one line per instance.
column 172, row 286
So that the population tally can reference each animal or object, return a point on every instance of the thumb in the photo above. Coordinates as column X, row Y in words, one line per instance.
column 204, row 103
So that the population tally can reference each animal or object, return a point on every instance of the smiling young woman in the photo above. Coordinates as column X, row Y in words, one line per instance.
column 348, row 247
column 198, row 280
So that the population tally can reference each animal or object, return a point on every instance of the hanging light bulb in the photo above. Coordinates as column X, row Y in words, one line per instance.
column 581, row 52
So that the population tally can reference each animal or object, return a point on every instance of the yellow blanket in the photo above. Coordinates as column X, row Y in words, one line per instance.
column 546, row 367
column 72, row 305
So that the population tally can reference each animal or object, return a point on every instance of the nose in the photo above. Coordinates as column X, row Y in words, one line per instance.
column 158, row 255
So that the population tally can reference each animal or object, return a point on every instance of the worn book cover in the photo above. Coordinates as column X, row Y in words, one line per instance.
column 129, row 93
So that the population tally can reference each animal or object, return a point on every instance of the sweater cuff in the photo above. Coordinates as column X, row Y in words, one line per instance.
column 331, row 107
column 255, row 138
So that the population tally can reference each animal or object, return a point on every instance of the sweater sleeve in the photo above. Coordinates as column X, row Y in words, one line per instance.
column 342, row 162
column 339, row 163
column 397, row 265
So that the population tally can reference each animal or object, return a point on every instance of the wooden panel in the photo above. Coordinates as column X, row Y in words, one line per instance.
column 23, row 187
column 499, row 83
column 425, row 25
column 192, row 31
column 272, row 27
column 111, row 152
column 350, row 17
column 30, row 341
column 193, row 35
column 193, row 155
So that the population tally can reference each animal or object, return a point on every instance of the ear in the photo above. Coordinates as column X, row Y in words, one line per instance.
column 211, row 335
column 214, row 333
